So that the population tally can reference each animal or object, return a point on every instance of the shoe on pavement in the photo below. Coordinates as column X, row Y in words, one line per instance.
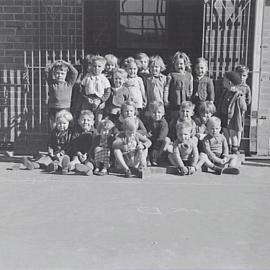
column 231, row 170
column 127, row 173
column 53, row 166
column 65, row 164
column 83, row 169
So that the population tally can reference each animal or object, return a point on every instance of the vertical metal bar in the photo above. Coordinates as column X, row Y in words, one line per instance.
column 12, row 106
column 211, row 32
column 25, row 110
column 39, row 87
column 5, row 81
column 68, row 55
column 33, row 89
column 75, row 53
column 248, row 25
column 203, row 30
column 19, row 100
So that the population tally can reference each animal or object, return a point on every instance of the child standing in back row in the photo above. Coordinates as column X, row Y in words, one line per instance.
column 61, row 77
column 179, row 82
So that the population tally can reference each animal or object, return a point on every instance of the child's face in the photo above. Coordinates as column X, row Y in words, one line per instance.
column 201, row 69
column 86, row 122
column 144, row 63
column 129, row 133
column 109, row 67
column 179, row 65
column 244, row 76
column 60, row 75
column 118, row 80
column 97, row 67
column 105, row 132
column 155, row 69
column 157, row 115
column 62, row 124
column 213, row 129
column 132, row 71
column 183, row 134
column 206, row 115
column 129, row 112
column 185, row 113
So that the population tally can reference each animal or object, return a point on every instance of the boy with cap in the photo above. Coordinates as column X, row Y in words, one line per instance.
column 230, row 109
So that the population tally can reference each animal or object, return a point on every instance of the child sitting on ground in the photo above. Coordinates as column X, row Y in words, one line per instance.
column 61, row 77
column 231, row 107
column 203, row 87
column 119, row 94
column 216, row 150
column 157, row 128
column 130, row 148
column 96, row 88
column 58, row 146
column 185, row 155
column 81, row 144
column 135, row 85
column 101, row 147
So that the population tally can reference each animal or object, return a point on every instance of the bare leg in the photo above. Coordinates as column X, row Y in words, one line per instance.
column 120, row 159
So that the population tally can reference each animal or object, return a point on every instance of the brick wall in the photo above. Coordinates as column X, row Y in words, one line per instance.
column 36, row 24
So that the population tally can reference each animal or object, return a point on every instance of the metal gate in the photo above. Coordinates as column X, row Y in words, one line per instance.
column 24, row 96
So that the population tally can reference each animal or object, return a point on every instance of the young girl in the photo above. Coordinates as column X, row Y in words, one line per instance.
column 110, row 66
column 206, row 110
column 81, row 144
column 245, row 91
column 203, row 87
column 96, row 88
column 231, row 107
column 135, row 84
column 130, row 148
column 179, row 85
column 101, row 147
column 58, row 146
column 128, row 109
column 119, row 94
column 157, row 128
column 142, row 61
column 156, row 82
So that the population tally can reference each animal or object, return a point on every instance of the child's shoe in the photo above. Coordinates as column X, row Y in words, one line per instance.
column 191, row 170
column 96, row 171
column 204, row 168
column 65, row 164
column 29, row 164
column 83, row 169
column 127, row 173
column 218, row 170
column 103, row 171
column 53, row 166
column 231, row 170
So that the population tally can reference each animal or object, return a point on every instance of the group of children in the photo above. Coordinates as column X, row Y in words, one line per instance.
column 134, row 116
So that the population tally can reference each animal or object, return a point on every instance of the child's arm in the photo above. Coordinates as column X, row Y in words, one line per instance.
column 248, row 96
column 164, row 130
column 190, row 88
column 209, row 153
column 49, row 73
column 141, row 127
column 142, row 89
column 177, row 157
column 144, row 141
column 211, row 91
column 72, row 73
column 195, row 154
column 106, row 95
column 166, row 90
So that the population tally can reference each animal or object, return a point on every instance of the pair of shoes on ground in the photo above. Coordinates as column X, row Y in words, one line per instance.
column 83, row 169
column 228, row 170
column 30, row 165
column 101, row 172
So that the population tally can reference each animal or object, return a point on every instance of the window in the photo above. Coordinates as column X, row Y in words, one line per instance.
column 142, row 24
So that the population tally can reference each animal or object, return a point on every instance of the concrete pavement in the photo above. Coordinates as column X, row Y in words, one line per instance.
column 163, row 222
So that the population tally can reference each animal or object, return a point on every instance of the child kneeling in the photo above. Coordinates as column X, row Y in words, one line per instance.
column 131, row 148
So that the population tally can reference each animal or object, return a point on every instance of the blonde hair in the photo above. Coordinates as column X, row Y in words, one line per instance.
column 128, row 62
column 184, row 125
column 156, row 59
column 88, row 113
column 242, row 69
column 110, row 58
column 121, row 72
column 63, row 114
column 213, row 121
column 187, row 105
column 127, row 104
column 201, row 60
column 207, row 106
column 98, row 58
column 155, row 106
column 105, row 124
column 182, row 55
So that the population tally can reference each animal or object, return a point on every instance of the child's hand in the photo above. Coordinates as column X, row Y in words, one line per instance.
column 140, row 146
column 83, row 157
column 223, row 160
column 149, row 134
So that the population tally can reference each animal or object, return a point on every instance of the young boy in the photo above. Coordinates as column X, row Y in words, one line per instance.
column 81, row 144
column 60, row 138
column 96, row 88
column 230, row 109
column 157, row 128
column 216, row 149
column 245, row 91
column 61, row 77
column 130, row 148
column 185, row 155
